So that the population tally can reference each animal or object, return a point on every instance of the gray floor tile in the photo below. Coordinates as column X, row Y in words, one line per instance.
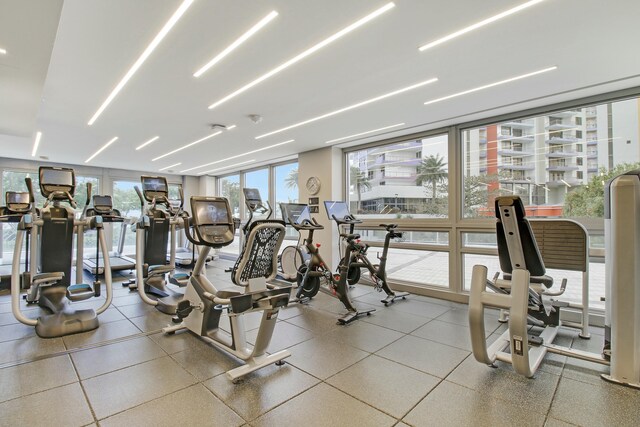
column 34, row 377
column 317, row 321
column 132, row 298
column 424, row 355
column 16, row 331
column 152, row 321
column 420, row 308
column 336, row 409
column 453, row 405
column 602, row 404
column 120, row 390
column 581, row 370
column 324, row 357
column 180, row 341
column 205, row 361
column 115, row 356
column 365, row 336
column 292, row 310
column 552, row 422
column 107, row 331
column 445, row 333
column 505, row 384
column 285, row 335
column 43, row 409
column 111, row 315
column 193, row 406
column 385, row 385
column 28, row 348
column 136, row 310
column 396, row 320
column 261, row 390
column 460, row 316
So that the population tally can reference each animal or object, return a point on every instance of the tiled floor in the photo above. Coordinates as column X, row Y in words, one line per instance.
column 408, row 364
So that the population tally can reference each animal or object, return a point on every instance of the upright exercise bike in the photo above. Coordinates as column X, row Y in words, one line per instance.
column 203, row 306
column 339, row 212
column 314, row 271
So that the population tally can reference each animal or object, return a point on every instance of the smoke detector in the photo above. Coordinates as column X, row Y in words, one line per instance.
column 255, row 118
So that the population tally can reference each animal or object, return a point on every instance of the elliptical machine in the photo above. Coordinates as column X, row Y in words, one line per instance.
column 157, row 223
column 339, row 212
column 203, row 304
column 51, row 260
column 18, row 204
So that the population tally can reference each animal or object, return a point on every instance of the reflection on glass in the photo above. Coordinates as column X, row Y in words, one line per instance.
column 401, row 180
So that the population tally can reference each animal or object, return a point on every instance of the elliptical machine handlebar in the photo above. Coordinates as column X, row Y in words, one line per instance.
column 187, row 232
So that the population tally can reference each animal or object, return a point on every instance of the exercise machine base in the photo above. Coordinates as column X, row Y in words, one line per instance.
column 390, row 299
column 353, row 315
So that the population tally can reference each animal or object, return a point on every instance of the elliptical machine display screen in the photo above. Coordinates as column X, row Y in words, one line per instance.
column 17, row 201
column 338, row 209
column 213, row 221
column 154, row 185
column 212, row 213
column 252, row 194
column 56, row 179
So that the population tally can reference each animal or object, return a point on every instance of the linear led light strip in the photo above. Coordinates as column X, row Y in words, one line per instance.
column 154, row 43
column 187, row 146
column 155, row 138
column 170, row 166
column 501, row 82
column 350, row 107
column 3, row 51
column 238, row 155
column 104, row 147
column 306, row 53
column 227, row 167
column 364, row 133
column 479, row 24
column 36, row 143
column 264, row 21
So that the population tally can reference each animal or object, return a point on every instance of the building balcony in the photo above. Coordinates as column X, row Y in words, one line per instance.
column 516, row 167
column 524, row 138
column 592, row 126
column 561, row 140
column 514, row 181
column 590, row 112
column 520, row 125
column 483, row 141
column 592, row 142
column 592, row 169
column 592, row 155
column 560, row 126
column 515, row 153
column 561, row 154
column 563, row 183
column 482, row 154
column 565, row 168
column 566, row 113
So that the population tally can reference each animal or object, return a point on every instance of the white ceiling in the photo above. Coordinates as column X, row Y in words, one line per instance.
column 592, row 42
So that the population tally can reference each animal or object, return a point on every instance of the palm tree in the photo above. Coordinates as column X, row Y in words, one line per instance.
column 291, row 181
column 360, row 182
column 432, row 171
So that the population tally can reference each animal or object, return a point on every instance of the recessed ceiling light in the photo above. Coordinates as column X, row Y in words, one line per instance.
column 3, row 51
column 227, row 167
column 479, row 24
column 154, row 43
column 104, row 147
column 306, row 53
column 264, row 21
column 170, row 166
column 501, row 82
column 238, row 155
column 187, row 146
column 36, row 143
column 144, row 144
column 364, row 133
column 351, row 107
